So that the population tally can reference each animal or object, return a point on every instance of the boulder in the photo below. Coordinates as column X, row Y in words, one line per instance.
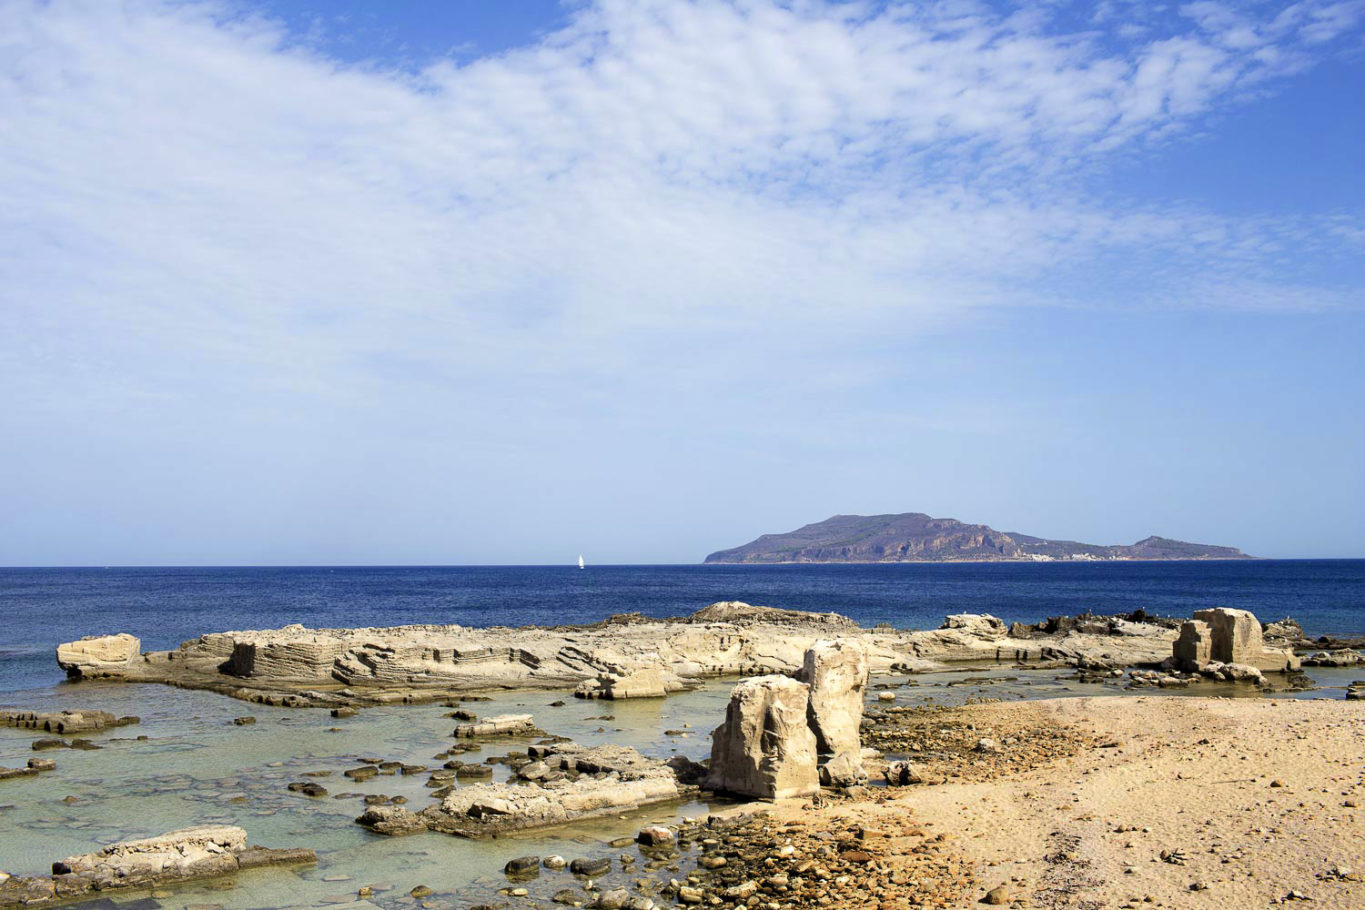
column 649, row 682
column 836, row 672
column 901, row 774
column 98, row 655
column 522, row 867
column 765, row 748
column 1232, row 672
column 843, row 770
column 655, row 836
column 1193, row 649
column 394, row 821
column 1235, row 635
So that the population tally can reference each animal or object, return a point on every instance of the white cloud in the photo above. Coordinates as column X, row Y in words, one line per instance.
column 199, row 207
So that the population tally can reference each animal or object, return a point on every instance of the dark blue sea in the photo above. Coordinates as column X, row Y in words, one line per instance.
column 40, row 608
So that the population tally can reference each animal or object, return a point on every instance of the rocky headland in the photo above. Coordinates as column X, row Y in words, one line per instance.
column 916, row 537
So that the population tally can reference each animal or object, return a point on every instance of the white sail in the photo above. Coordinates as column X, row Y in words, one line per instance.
column 580, row 560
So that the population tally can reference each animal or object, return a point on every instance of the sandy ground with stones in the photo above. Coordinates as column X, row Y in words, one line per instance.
column 1138, row 802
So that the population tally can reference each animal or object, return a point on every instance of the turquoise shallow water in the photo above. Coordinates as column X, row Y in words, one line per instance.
column 196, row 767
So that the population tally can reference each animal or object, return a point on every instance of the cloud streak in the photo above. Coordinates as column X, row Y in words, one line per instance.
column 203, row 208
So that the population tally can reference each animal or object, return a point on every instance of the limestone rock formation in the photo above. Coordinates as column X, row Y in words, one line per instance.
column 501, row 725
column 193, row 853
column 765, row 748
column 1194, row 648
column 591, row 781
column 394, row 821
column 1226, row 636
column 98, row 655
column 629, row 656
column 62, row 722
column 836, row 672
column 1235, row 635
column 982, row 625
column 1344, row 657
column 737, row 612
column 647, row 682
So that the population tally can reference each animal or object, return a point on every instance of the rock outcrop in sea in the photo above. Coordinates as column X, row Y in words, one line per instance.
column 1230, row 639
column 190, row 854
column 784, row 737
column 765, row 748
column 625, row 656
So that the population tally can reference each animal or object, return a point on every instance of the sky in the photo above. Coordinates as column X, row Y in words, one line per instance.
column 476, row 282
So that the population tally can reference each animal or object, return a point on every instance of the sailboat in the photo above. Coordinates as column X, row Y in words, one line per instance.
column 580, row 561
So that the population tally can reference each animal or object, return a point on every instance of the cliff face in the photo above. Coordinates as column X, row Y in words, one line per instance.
column 915, row 537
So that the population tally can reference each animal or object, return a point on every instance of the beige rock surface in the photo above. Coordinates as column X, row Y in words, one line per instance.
column 188, row 854
column 836, row 672
column 1194, row 647
column 610, row 779
column 99, row 655
column 1226, row 636
column 765, row 748
column 627, row 656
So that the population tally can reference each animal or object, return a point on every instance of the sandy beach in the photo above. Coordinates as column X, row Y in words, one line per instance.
column 1153, row 801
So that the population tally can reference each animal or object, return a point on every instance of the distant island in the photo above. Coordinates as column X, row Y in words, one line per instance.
column 916, row 537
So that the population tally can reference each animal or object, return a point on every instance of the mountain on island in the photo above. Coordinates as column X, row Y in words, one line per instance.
column 915, row 537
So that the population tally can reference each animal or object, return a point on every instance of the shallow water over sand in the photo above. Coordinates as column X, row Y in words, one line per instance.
column 197, row 767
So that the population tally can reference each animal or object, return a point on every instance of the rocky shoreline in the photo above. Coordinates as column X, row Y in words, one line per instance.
column 626, row 656
column 795, row 733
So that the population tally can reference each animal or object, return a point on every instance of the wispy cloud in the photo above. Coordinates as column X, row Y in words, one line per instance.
column 200, row 205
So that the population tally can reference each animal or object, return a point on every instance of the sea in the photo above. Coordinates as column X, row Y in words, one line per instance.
column 42, row 607
column 189, row 761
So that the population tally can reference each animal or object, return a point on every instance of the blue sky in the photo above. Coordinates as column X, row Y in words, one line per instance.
column 485, row 282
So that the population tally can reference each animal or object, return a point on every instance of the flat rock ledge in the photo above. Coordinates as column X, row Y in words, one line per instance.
column 562, row 783
column 627, row 656
column 62, row 722
column 180, row 856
